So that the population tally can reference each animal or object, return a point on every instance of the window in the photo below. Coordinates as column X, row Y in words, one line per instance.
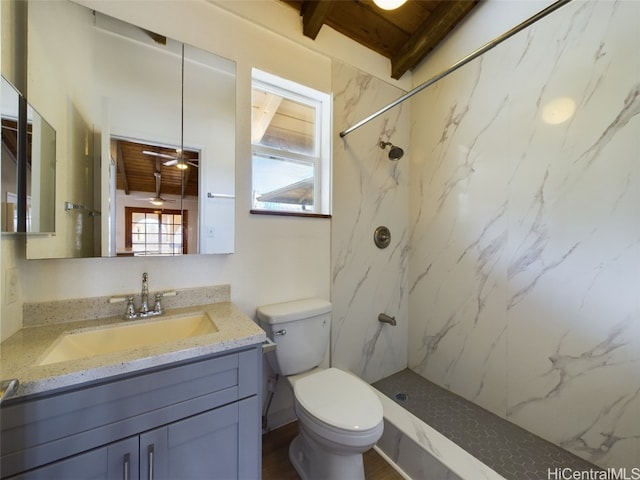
column 149, row 231
column 291, row 145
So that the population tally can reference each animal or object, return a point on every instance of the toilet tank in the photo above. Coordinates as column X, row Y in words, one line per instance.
column 300, row 330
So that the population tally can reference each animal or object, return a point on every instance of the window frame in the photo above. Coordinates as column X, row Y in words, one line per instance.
column 128, row 225
column 321, row 157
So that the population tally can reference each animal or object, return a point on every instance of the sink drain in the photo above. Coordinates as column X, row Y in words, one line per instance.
column 401, row 397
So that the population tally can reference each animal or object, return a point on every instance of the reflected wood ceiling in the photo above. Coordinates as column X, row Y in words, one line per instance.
column 136, row 170
column 405, row 35
column 10, row 138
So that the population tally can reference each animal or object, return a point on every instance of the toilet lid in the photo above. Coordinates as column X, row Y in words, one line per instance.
column 339, row 399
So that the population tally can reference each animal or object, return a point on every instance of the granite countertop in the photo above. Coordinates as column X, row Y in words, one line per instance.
column 21, row 353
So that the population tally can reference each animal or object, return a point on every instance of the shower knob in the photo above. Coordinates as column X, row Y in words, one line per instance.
column 382, row 237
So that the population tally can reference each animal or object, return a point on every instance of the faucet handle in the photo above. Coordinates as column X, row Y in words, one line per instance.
column 157, row 307
column 131, row 309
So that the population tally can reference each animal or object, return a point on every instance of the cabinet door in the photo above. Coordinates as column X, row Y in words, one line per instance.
column 123, row 460
column 115, row 461
column 204, row 446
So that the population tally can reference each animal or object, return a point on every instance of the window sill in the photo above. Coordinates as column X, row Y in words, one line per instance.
column 289, row 214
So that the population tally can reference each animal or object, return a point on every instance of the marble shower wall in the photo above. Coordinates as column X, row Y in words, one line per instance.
column 368, row 190
column 524, row 276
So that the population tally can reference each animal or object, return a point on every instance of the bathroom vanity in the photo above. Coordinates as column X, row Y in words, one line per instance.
column 184, row 409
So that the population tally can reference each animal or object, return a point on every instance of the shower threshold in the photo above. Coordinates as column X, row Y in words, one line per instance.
column 508, row 450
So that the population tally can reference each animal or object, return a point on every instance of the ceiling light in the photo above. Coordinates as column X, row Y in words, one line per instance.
column 181, row 164
column 389, row 4
column 157, row 201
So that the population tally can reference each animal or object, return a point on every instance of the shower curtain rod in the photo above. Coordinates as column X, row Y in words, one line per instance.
column 476, row 53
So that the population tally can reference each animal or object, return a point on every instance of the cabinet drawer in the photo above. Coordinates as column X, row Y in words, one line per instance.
column 40, row 430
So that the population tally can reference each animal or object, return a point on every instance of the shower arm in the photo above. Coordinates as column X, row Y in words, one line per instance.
column 473, row 55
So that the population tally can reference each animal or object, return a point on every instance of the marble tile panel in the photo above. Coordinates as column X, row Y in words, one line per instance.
column 573, row 242
column 369, row 190
column 525, row 239
column 457, row 333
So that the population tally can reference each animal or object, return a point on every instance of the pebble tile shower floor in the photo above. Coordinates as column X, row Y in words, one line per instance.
column 511, row 451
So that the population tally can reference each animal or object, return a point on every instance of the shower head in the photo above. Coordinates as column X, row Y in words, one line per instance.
column 395, row 153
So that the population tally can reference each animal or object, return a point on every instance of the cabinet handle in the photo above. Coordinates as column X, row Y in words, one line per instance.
column 150, row 460
column 126, row 467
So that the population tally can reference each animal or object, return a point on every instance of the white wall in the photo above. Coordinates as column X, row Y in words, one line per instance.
column 13, row 28
column 525, row 251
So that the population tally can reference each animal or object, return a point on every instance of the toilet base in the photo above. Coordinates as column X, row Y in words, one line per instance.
column 312, row 462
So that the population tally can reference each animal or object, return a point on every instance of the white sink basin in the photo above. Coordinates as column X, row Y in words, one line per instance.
column 134, row 334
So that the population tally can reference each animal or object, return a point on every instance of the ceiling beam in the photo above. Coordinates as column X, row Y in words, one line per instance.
column 264, row 110
column 314, row 14
column 123, row 172
column 441, row 21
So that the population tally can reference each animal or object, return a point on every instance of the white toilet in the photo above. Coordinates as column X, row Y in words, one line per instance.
column 339, row 415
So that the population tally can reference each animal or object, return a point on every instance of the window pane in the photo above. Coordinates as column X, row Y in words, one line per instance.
column 283, row 123
column 155, row 233
column 281, row 184
column 137, row 217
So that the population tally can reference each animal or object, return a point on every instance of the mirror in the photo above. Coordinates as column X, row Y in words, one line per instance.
column 139, row 105
column 38, row 166
column 41, row 174
column 9, row 106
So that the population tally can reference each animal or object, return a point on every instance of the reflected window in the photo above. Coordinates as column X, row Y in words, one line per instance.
column 290, row 138
column 155, row 232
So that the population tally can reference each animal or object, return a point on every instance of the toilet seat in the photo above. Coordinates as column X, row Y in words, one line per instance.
column 340, row 401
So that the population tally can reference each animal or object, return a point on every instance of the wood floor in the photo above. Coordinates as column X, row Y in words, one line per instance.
column 276, row 464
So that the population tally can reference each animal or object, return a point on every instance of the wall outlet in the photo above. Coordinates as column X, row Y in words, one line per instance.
column 11, row 286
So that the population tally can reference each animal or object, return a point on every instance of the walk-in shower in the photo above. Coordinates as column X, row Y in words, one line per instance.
column 514, row 235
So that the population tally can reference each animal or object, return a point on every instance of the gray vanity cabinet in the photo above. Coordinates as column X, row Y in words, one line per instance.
column 194, row 420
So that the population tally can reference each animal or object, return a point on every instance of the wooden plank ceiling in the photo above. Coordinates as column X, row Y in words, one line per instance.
column 405, row 35
column 10, row 138
column 144, row 167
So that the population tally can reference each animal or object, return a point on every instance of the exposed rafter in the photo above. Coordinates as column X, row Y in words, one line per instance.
column 121, row 168
column 431, row 32
column 314, row 16
column 405, row 35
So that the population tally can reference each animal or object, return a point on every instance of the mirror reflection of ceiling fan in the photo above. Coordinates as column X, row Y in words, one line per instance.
column 158, row 200
column 172, row 159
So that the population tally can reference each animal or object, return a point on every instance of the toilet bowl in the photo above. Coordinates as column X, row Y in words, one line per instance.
column 339, row 415
column 339, row 418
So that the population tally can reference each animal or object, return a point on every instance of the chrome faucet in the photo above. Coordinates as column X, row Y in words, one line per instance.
column 144, row 296
column 144, row 312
